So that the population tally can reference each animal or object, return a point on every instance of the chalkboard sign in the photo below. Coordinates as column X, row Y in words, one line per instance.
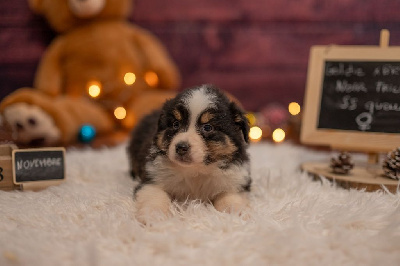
column 352, row 98
column 361, row 96
column 38, row 165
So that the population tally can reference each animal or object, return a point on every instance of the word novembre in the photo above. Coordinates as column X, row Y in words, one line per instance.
column 37, row 163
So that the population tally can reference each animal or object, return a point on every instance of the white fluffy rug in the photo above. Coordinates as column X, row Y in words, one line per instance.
column 89, row 220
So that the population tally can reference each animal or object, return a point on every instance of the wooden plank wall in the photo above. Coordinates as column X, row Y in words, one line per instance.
column 256, row 49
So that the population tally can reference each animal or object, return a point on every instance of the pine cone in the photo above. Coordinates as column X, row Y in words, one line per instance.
column 391, row 165
column 342, row 164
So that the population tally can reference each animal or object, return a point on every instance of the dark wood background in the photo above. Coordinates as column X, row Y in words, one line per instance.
column 256, row 49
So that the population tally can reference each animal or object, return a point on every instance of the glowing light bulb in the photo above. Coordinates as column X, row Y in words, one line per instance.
column 294, row 108
column 252, row 119
column 255, row 133
column 94, row 89
column 129, row 78
column 151, row 78
column 278, row 135
column 120, row 113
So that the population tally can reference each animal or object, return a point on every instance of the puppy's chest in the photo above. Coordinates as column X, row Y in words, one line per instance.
column 201, row 182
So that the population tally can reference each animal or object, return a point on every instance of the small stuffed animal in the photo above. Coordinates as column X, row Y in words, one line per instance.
column 195, row 147
column 98, row 63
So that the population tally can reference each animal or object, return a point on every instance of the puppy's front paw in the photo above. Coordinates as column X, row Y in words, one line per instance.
column 231, row 203
column 31, row 125
column 152, row 204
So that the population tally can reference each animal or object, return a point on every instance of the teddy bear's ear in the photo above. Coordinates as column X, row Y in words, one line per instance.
column 36, row 5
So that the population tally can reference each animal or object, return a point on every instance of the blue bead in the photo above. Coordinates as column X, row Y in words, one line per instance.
column 87, row 133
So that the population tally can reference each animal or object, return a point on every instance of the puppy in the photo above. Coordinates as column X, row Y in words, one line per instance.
column 195, row 147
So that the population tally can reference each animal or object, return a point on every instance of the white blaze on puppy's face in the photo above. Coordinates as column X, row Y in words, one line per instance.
column 196, row 103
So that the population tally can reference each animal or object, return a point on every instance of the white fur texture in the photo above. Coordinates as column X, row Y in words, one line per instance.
column 199, row 181
column 89, row 220
column 197, row 102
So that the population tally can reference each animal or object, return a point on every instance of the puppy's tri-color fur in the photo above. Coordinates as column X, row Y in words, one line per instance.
column 193, row 148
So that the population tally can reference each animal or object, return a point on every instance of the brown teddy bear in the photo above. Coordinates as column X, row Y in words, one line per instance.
column 101, row 70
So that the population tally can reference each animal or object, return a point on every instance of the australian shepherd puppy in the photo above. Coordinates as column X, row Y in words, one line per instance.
column 195, row 147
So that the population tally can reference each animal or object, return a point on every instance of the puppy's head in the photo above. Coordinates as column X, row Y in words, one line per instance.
column 202, row 126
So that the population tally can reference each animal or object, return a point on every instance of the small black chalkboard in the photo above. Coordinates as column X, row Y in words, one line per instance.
column 360, row 96
column 38, row 165
column 352, row 99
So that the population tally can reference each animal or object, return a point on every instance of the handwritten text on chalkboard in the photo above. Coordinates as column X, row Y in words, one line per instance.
column 361, row 96
column 38, row 165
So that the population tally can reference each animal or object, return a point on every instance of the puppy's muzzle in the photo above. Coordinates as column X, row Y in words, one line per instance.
column 182, row 148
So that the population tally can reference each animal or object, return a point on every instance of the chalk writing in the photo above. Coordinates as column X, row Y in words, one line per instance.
column 37, row 165
column 361, row 96
column 386, row 70
column 342, row 69
column 387, row 88
column 345, row 86
column 44, row 162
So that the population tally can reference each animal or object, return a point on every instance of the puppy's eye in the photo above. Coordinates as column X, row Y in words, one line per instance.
column 208, row 128
column 176, row 125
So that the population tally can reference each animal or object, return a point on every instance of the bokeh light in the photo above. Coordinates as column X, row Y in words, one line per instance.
column 120, row 113
column 129, row 78
column 294, row 108
column 278, row 135
column 151, row 78
column 94, row 89
column 255, row 133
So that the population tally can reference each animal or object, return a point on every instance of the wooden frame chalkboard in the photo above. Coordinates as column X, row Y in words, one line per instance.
column 38, row 168
column 352, row 98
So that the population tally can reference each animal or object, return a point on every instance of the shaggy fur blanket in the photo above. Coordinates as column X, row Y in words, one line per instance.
column 89, row 219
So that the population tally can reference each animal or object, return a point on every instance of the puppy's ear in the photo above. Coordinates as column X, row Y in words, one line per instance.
column 241, row 121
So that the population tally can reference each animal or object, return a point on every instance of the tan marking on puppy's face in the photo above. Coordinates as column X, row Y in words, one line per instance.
column 238, row 119
column 177, row 115
column 206, row 117
column 221, row 150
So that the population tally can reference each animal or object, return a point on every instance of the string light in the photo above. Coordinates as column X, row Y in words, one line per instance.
column 129, row 78
column 151, row 78
column 94, row 89
column 120, row 113
column 255, row 133
column 294, row 108
column 278, row 135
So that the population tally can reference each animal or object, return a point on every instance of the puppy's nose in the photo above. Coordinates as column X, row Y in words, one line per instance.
column 182, row 148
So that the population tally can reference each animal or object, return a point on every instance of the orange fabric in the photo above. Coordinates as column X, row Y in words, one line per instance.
column 101, row 49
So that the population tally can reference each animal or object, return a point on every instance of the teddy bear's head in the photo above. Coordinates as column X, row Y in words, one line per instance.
column 63, row 15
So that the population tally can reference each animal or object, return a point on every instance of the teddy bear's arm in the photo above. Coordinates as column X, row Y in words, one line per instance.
column 48, row 76
column 156, row 57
